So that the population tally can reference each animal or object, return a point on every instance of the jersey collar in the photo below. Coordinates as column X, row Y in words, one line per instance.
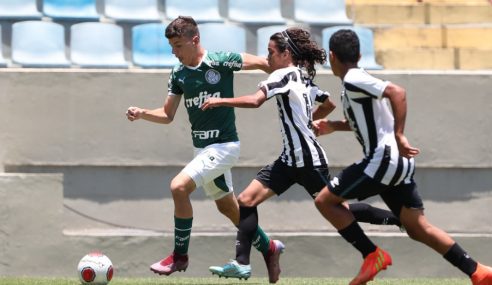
column 200, row 63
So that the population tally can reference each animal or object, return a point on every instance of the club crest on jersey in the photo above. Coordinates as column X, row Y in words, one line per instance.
column 212, row 76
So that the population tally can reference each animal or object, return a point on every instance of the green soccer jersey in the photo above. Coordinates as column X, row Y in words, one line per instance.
column 212, row 78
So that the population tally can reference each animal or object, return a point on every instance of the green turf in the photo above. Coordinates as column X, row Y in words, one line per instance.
column 251, row 281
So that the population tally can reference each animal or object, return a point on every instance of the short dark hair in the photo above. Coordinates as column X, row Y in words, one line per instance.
column 345, row 45
column 182, row 26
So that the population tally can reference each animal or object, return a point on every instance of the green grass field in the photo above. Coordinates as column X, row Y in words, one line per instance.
column 251, row 281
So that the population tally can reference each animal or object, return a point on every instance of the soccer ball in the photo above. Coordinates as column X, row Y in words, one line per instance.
column 95, row 268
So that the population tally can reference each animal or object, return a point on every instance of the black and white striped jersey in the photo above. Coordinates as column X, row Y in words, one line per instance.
column 296, row 97
column 370, row 117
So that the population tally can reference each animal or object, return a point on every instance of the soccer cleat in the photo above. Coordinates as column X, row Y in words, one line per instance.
column 272, row 260
column 232, row 270
column 482, row 276
column 373, row 263
column 170, row 264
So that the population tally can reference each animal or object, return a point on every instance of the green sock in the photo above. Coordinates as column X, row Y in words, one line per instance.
column 182, row 232
column 261, row 241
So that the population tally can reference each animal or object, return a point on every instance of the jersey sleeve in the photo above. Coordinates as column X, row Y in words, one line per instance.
column 358, row 80
column 317, row 95
column 173, row 87
column 275, row 84
column 227, row 61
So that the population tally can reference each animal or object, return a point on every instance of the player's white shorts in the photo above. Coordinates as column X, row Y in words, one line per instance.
column 211, row 168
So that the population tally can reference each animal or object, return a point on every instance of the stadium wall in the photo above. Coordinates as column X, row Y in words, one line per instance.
column 77, row 117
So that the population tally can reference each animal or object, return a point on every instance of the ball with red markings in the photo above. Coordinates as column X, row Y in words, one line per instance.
column 95, row 268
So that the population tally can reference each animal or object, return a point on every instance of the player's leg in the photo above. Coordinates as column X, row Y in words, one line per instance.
column 273, row 179
column 217, row 185
column 419, row 229
column 412, row 216
column 375, row 259
column 332, row 209
column 229, row 207
column 274, row 176
column 255, row 194
column 208, row 164
column 352, row 183
column 248, row 200
column 405, row 202
column 365, row 213
column 181, row 187
column 240, row 268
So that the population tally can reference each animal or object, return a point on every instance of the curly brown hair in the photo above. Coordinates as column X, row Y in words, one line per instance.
column 305, row 51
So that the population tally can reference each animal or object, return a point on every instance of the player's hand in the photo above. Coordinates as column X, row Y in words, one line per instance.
column 134, row 113
column 322, row 127
column 210, row 103
column 406, row 150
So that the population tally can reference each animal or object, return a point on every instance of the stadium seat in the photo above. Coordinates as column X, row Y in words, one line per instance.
column 150, row 48
column 256, row 11
column 263, row 37
column 97, row 45
column 366, row 38
column 222, row 37
column 3, row 63
column 321, row 12
column 201, row 10
column 132, row 10
column 39, row 44
column 19, row 9
column 71, row 10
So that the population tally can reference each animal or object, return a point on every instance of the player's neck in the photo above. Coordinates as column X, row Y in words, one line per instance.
column 345, row 68
column 289, row 65
column 199, row 56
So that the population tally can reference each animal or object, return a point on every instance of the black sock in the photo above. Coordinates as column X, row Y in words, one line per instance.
column 358, row 239
column 366, row 213
column 459, row 258
column 248, row 224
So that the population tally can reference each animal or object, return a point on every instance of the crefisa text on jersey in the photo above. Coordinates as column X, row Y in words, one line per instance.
column 200, row 99
column 229, row 64
column 232, row 64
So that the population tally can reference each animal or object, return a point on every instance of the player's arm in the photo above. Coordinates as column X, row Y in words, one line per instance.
column 325, row 126
column 324, row 109
column 163, row 115
column 321, row 125
column 251, row 62
column 398, row 100
column 248, row 101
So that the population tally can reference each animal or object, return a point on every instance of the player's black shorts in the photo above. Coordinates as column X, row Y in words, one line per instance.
column 353, row 183
column 278, row 176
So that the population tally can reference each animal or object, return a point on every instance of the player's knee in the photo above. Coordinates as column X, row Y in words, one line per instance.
column 224, row 209
column 415, row 231
column 413, row 234
column 246, row 201
column 228, row 211
column 320, row 202
column 178, row 188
